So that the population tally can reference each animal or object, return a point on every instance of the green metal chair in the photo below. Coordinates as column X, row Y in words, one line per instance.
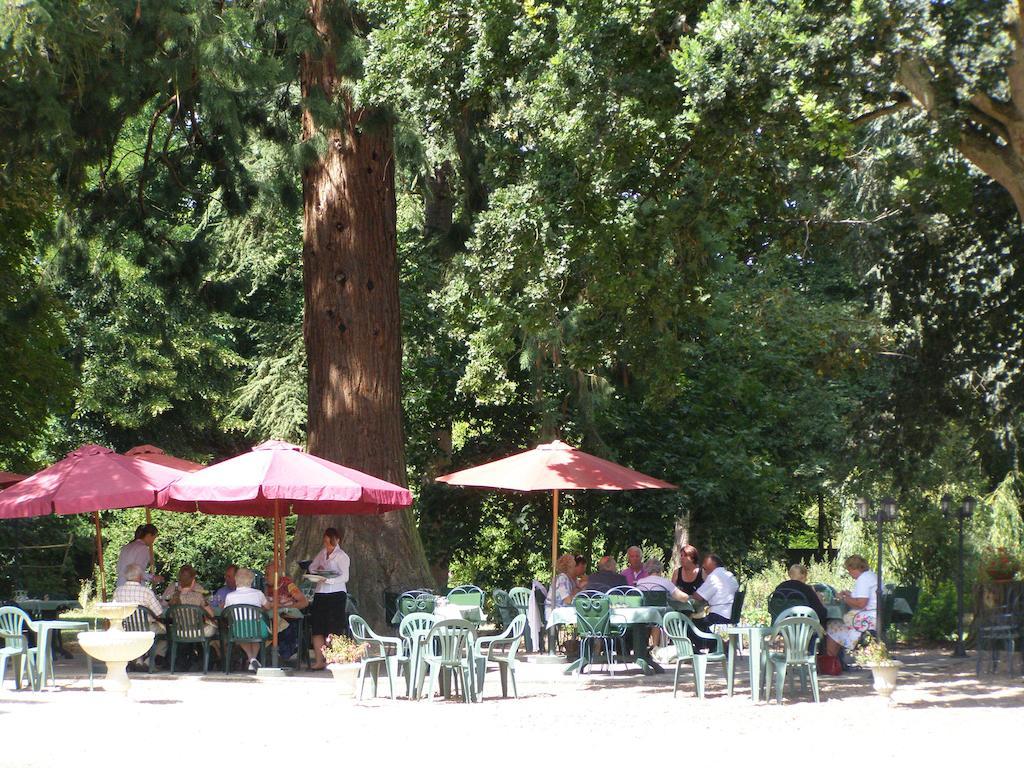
column 625, row 597
column 678, row 628
column 13, row 622
column 502, row 650
column 799, row 636
column 245, row 624
column 142, row 621
column 413, row 626
column 593, row 624
column 467, row 594
column 185, row 625
column 414, row 602
column 448, row 648
column 376, row 654
column 504, row 609
column 521, row 600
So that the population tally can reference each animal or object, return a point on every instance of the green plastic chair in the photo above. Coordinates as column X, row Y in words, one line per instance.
column 12, row 631
column 504, row 609
column 737, row 606
column 245, row 624
column 448, row 648
column 502, row 650
column 784, row 598
column 142, row 621
column 185, row 625
column 593, row 624
column 412, row 627
column 800, row 636
column 376, row 654
column 521, row 600
column 678, row 628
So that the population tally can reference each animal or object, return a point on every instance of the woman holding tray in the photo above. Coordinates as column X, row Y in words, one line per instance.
column 330, row 596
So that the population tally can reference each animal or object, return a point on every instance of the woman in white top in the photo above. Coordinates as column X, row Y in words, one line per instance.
column 862, row 602
column 330, row 597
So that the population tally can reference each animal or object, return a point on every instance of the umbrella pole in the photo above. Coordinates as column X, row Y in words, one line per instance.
column 99, row 557
column 277, row 566
column 152, row 558
column 553, row 635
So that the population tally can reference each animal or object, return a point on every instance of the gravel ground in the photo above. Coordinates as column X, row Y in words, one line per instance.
column 940, row 711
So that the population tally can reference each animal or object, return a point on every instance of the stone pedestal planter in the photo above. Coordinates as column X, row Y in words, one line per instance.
column 884, row 674
column 345, row 676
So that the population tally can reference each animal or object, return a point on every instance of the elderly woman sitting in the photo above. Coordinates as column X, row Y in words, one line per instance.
column 862, row 603
column 566, row 586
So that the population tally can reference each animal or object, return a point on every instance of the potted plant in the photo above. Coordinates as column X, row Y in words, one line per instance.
column 884, row 669
column 1000, row 564
column 343, row 655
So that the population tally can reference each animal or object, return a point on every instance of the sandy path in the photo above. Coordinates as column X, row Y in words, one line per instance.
column 940, row 712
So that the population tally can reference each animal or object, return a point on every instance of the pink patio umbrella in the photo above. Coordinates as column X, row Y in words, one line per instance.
column 156, row 455
column 10, row 478
column 89, row 479
column 554, row 467
column 274, row 473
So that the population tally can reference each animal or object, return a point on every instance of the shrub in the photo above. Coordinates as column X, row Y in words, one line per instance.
column 935, row 617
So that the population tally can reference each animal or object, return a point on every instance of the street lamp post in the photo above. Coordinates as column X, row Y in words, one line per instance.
column 885, row 513
column 961, row 513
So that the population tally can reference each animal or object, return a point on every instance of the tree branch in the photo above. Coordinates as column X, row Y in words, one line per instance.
column 149, row 148
column 981, row 118
column 903, row 101
column 997, row 162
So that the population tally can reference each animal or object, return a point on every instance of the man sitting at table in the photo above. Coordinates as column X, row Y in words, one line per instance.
column 244, row 594
column 288, row 596
column 606, row 577
column 134, row 591
column 655, row 580
column 717, row 591
column 217, row 600
column 635, row 569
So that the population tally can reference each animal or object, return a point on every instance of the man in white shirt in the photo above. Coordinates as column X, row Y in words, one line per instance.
column 718, row 590
column 245, row 594
column 137, row 552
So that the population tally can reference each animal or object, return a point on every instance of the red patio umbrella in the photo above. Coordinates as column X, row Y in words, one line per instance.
column 10, row 478
column 155, row 455
column 553, row 467
column 89, row 479
column 275, row 473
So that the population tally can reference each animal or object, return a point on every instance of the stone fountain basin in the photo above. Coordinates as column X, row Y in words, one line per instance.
column 115, row 646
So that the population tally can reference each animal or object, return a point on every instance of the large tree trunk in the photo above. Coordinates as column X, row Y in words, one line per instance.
column 352, row 327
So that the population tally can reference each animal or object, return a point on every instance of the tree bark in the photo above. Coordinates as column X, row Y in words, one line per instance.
column 352, row 325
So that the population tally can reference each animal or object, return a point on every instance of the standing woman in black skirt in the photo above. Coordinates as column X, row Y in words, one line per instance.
column 330, row 596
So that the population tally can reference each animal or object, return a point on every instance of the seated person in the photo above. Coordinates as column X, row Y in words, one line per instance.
column 244, row 594
column 862, row 603
column 187, row 591
column 288, row 596
column 134, row 591
column 718, row 590
column 565, row 581
column 606, row 577
column 797, row 581
column 635, row 567
column 580, row 571
column 217, row 600
column 655, row 580
column 687, row 576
